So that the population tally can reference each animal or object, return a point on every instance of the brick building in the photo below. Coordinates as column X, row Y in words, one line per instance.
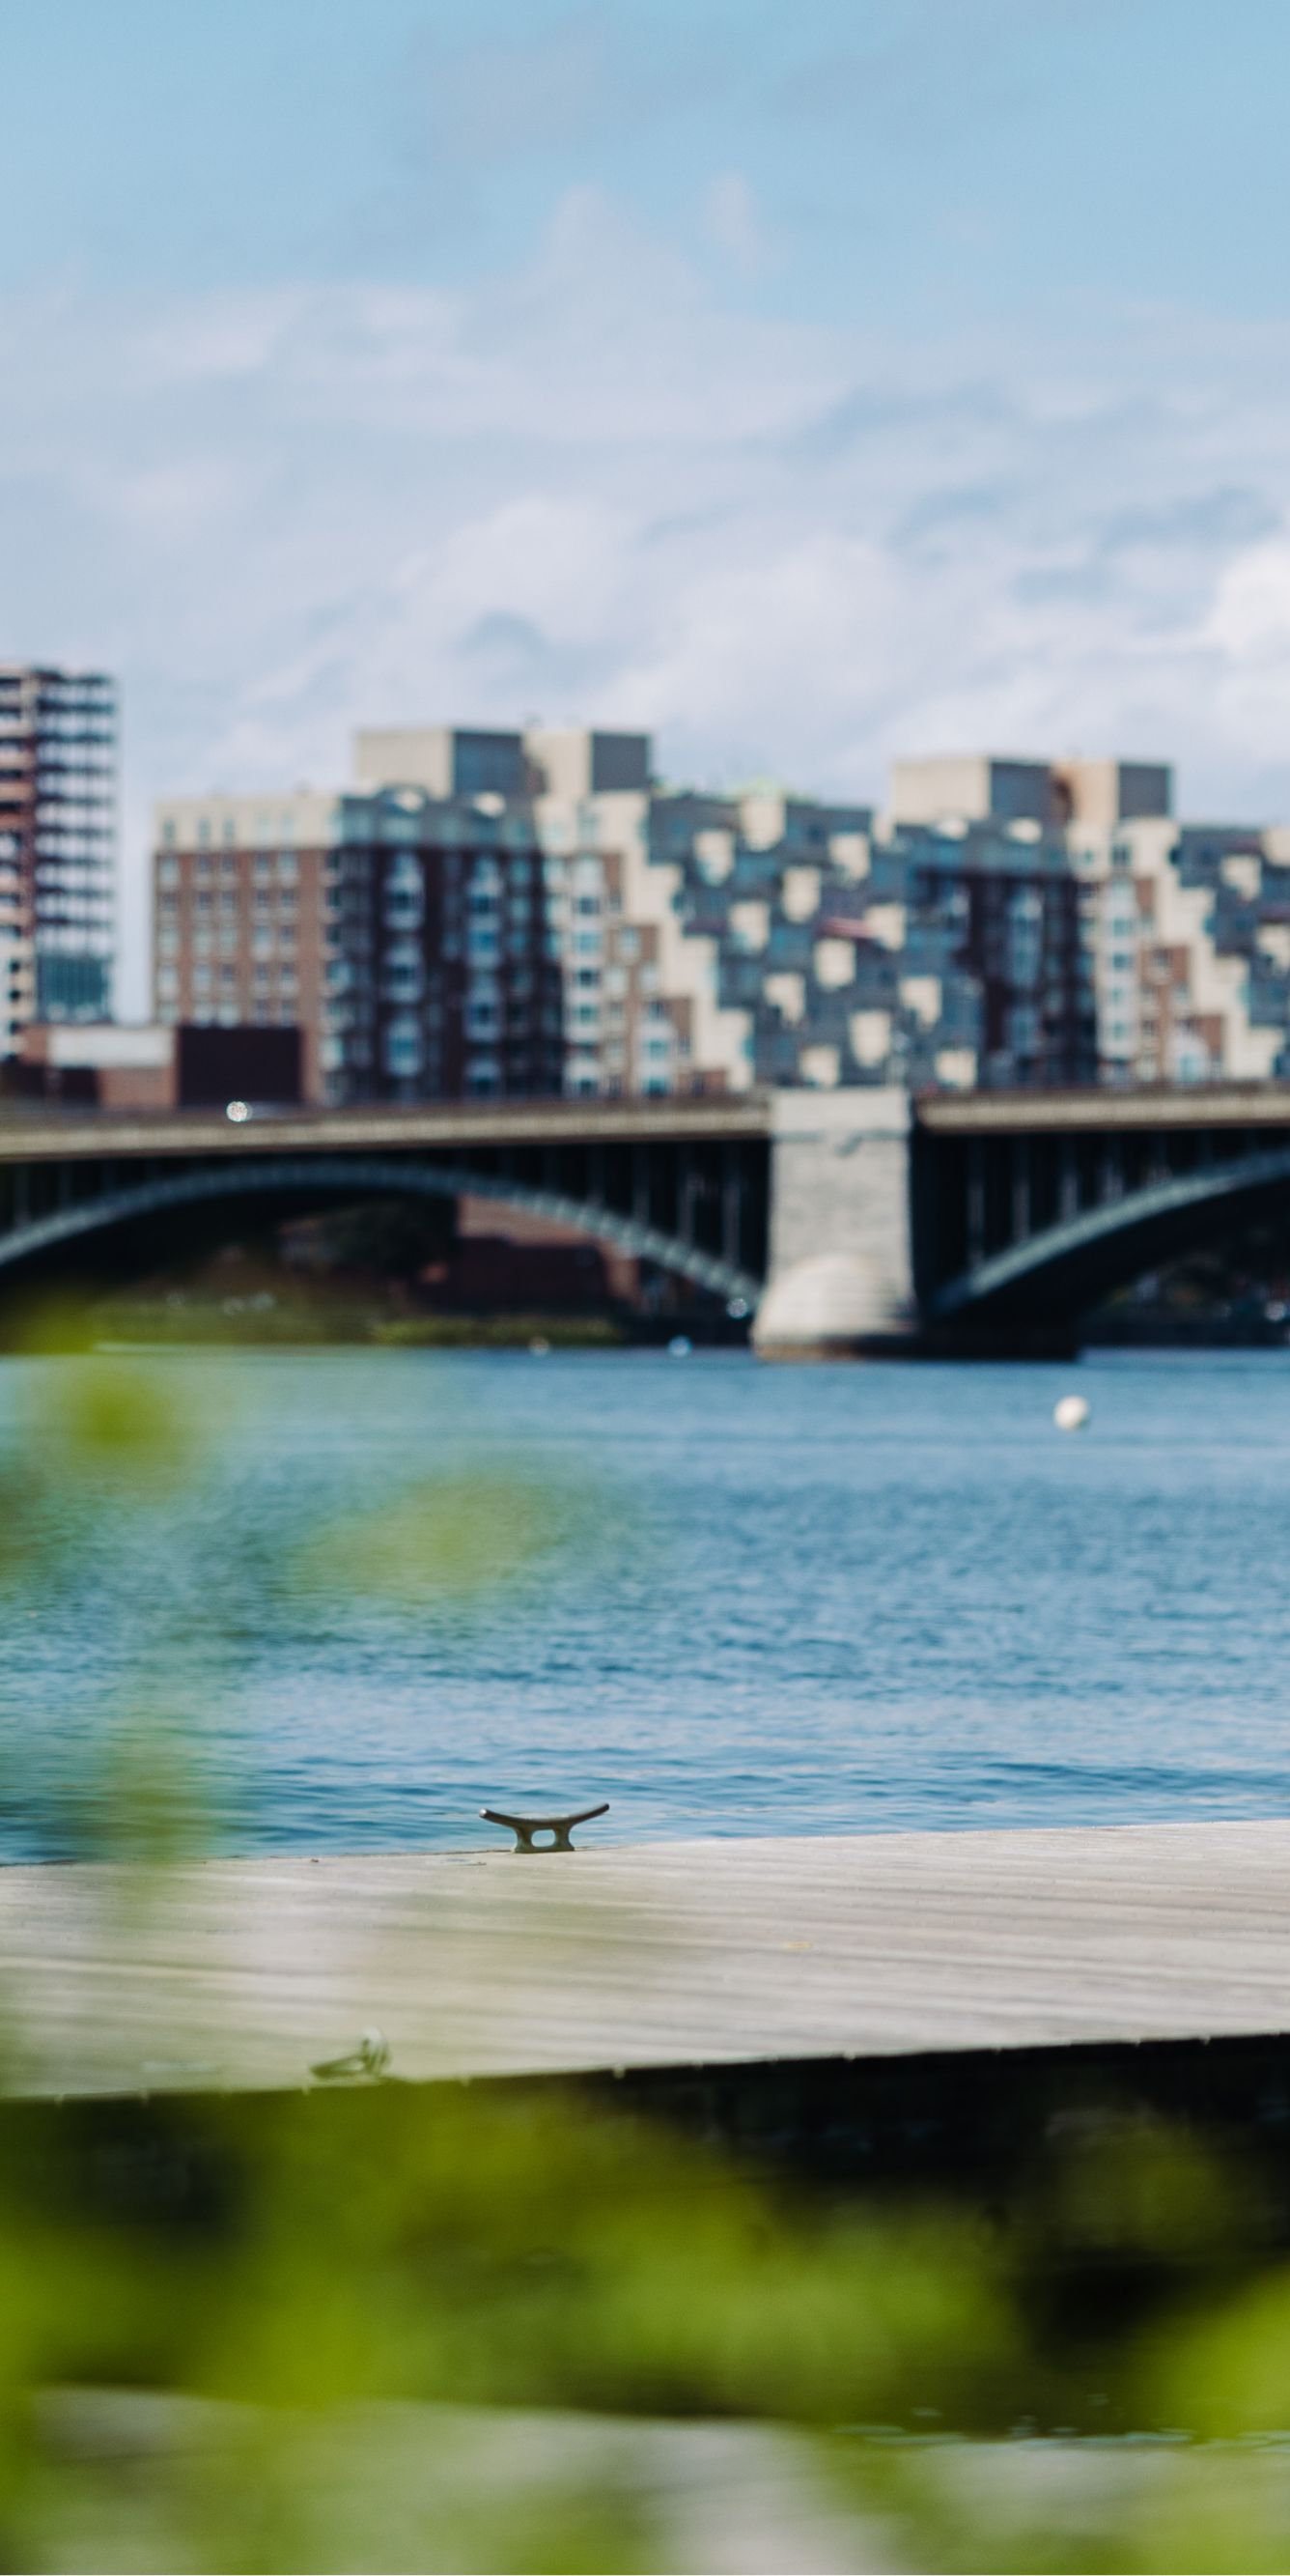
column 405, row 934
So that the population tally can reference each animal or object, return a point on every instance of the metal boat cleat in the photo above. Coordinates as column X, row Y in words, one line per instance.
column 370, row 2061
column 558, row 1827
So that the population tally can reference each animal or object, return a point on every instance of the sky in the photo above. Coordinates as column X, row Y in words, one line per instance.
column 804, row 384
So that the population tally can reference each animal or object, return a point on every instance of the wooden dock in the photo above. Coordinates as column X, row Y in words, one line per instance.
column 244, row 1974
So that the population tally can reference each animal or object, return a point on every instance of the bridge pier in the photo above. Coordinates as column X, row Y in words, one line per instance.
column 840, row 1275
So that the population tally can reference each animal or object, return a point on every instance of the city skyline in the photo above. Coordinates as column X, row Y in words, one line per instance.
column 681, row 370
column 503, row 913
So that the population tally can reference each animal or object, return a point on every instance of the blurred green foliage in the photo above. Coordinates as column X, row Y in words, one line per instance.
column 230, row 2327
column 446, row 1540
column 111, row 1418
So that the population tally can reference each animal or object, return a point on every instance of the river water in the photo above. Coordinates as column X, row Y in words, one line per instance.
column 731, row 1599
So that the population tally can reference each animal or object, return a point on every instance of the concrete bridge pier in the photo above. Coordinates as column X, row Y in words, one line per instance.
column 840, row 1278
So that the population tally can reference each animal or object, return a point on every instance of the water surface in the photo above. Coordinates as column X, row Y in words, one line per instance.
column 788, row 1600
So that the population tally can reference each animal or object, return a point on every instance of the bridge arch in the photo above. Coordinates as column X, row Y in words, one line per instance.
column 1063, row 1269
column 356, row 1176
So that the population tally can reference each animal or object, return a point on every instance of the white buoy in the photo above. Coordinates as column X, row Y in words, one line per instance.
column 680, row 1346
column 1071, row 1412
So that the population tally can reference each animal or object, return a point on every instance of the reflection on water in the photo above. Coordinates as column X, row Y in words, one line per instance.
column 749, row 1600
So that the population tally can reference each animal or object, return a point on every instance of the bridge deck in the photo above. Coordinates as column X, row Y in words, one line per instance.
column 244, row 1973
column 66, row 1135
column 1087, row 1110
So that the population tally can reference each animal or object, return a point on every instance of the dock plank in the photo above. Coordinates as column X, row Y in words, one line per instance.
column 244, row 1973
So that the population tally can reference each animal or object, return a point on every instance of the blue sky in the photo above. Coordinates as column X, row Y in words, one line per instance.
column 808, row 383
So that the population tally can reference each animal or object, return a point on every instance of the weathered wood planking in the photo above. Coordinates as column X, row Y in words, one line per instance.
column 242, row 1973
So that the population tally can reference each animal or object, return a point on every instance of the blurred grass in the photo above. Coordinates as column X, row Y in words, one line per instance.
column 301, row 2265
column 499, row 1332
column 276, row 1321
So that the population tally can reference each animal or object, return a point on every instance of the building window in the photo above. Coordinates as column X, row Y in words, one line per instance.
column 168, row 833
column 168, row 872
column 402, row 1049
column 288, row 867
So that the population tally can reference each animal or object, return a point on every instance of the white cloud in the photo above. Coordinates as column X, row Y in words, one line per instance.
column 591, row 486
column 1251, row 612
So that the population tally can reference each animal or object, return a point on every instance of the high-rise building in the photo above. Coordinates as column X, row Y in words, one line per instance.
column 57, row 845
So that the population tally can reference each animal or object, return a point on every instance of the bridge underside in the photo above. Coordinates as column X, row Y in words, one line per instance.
column 697, row 1209
column 1020, row 1237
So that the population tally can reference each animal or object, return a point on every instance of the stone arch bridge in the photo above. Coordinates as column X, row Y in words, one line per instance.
column 853, row 1220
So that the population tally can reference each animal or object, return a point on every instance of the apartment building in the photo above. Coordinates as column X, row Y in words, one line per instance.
column 863, row 949
column 531, row 911
column 1194, row 951
column 1185, row 927
column 637, row 991
column 481, row 913
column 240, row 901
column 404, row 933
column 57, row 846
